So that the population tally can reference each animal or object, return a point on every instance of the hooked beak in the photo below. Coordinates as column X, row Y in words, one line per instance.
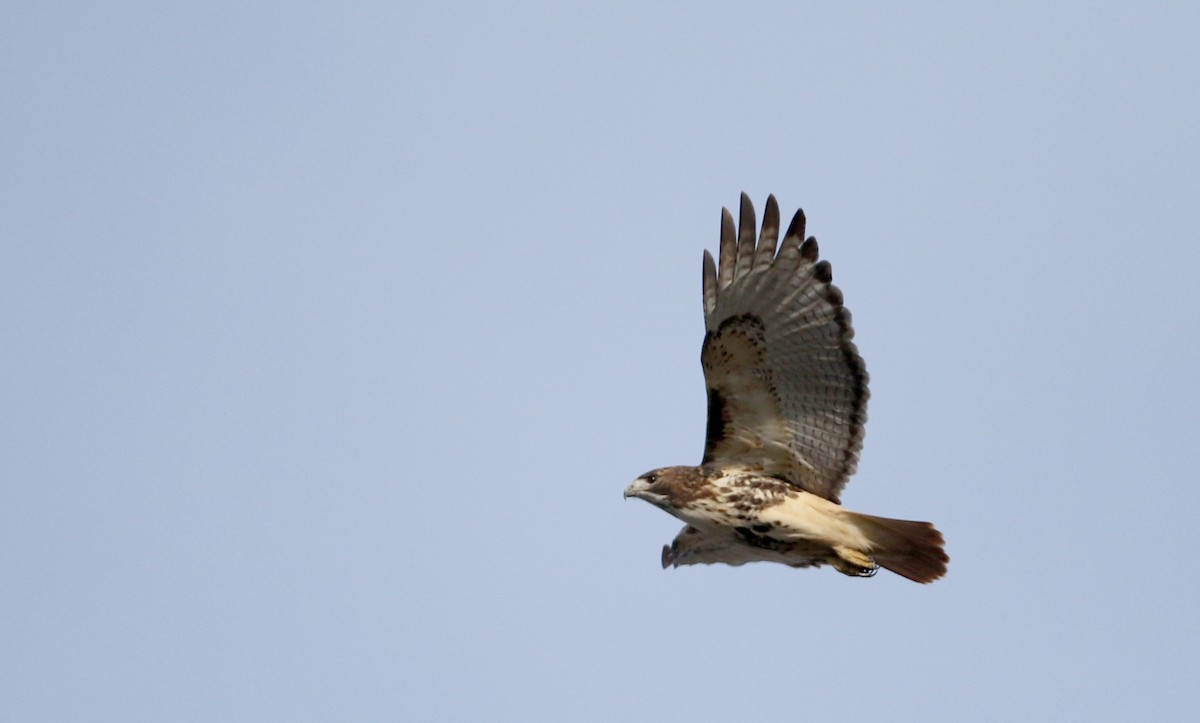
column 637, row 489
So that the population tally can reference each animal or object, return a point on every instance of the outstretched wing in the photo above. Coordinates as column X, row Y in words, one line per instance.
column 787, row 390
column 722, row 545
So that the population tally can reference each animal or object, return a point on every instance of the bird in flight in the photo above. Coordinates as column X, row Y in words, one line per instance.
column 787, row 404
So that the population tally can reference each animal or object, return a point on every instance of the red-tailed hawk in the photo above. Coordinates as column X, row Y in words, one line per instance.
column 787, row 401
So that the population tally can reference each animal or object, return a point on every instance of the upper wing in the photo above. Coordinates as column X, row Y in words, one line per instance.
column 787, row 390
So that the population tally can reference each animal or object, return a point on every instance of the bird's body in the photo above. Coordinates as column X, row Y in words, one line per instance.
column 787, row 398
column 737, row 516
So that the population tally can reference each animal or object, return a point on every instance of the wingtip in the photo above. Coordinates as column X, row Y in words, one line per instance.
column 727, row 222
column 771, row 214
column 809, row 250
column 708, row 282
column 768, row 238
column 746, row 219
column 728, row 256
column 796, row 227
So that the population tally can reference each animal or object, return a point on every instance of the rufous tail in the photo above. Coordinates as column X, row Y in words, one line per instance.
column 912, row 549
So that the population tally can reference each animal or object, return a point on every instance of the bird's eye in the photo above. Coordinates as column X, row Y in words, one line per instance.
column 652, row 478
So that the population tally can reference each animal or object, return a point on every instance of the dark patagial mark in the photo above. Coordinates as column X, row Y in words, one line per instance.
column 749, row 320
column 752, row 538
column 716, row 421
column 741, row 334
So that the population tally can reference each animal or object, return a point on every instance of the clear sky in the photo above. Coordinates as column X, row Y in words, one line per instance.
column 332, row 334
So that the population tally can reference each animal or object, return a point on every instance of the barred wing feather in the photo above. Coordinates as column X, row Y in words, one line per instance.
column 787, row 390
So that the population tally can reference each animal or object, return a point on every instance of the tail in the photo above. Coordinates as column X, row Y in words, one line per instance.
column 911, row 549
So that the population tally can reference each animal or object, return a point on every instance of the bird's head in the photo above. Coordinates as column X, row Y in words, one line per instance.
column 667, row 487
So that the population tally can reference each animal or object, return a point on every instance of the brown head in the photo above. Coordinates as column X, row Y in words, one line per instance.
column 670, row 487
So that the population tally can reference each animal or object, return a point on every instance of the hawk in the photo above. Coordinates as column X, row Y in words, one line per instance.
column 787, row 404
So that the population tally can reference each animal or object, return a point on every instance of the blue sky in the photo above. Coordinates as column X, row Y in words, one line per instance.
column 333, row 333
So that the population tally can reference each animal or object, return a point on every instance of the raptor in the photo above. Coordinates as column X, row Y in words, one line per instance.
column 787, row 405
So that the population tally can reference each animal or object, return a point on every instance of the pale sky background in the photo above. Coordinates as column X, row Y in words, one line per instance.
column 333, row 333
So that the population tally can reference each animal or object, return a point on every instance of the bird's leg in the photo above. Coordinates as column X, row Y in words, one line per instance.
column 853, row 562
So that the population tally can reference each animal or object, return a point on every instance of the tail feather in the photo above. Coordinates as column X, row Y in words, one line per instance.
column 912, row 549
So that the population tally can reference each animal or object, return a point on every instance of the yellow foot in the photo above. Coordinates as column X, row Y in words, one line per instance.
column 854, row 563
